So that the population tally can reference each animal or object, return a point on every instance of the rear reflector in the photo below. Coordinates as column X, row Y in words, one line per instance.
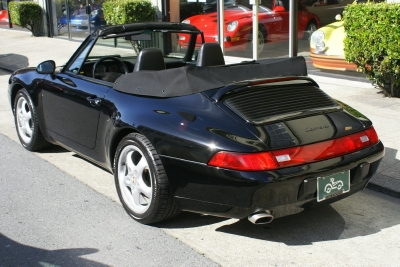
column 276, row 159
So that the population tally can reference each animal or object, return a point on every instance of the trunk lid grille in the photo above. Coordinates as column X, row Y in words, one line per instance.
column 267, row 104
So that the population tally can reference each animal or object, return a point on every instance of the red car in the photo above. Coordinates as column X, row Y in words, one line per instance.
column 3, row 17
column 273, row 25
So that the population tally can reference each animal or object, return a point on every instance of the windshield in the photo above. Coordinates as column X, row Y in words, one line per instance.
column 107, row 57
column 131, row 45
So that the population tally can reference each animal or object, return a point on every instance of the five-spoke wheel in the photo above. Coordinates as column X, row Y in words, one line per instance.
column 135, row 181
column 141, row 182
column 26, row 122
column 262, row 39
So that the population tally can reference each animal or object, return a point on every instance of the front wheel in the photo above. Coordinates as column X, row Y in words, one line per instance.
column 311, row 27
column 262, row 39
column 141, row 181
column 26, row 122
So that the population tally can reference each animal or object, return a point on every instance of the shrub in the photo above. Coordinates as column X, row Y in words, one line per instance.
column 127, row 11
column 373, row 42
column 25, row 14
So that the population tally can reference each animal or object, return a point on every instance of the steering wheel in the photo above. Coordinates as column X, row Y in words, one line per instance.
column 119, row 62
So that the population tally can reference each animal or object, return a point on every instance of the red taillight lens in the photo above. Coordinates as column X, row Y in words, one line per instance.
column 372, row 135
column 289, row 157
column 243, row 162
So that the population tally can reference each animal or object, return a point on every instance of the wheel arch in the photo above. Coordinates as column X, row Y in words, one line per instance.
column 14, row 90
column 315, row 21
column 307, row 35
column 264, row 29
column 116, row 140
column 311, row 21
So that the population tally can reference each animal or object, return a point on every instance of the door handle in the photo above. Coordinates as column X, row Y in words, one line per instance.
column 67, row 81
column 94, row 101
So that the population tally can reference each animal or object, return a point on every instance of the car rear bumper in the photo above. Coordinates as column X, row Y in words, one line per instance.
column 234, row 194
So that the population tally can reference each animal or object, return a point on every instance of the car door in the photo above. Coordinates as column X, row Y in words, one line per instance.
column 72, row 105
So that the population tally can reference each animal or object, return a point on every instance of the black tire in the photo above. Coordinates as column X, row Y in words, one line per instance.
column 311, row 27
column 141, row 181
column 26, row 122
column 262, row 39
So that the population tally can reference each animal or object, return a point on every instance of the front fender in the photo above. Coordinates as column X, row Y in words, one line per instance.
column 26, row 78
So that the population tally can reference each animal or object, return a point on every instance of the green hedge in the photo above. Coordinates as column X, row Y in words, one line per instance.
column 25, row 14
column 127, row 11
column 373, row 42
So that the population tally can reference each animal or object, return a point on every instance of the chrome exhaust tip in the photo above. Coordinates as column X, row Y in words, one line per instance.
column 261, row 217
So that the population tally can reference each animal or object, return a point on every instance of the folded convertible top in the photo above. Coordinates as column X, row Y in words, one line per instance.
column 191, row 79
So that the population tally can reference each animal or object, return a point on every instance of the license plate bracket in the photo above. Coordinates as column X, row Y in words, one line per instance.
column 333, row 185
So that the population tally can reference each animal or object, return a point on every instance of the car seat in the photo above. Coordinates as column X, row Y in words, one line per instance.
column 210, row 54
column 150, row 59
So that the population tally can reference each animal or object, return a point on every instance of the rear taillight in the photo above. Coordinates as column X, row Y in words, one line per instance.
column 276, row 159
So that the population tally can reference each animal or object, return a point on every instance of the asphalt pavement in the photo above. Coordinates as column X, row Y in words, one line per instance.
column 80, row 227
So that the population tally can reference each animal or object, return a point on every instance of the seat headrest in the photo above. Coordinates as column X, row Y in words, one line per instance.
column 150, row 59
column 210, row 54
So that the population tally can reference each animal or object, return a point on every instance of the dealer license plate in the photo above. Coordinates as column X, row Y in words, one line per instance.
column 333, row 185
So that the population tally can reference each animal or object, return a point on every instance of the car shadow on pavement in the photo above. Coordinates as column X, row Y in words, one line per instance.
column 13, row 253
column 12, row 62
column 321, row 224
column 387, row 178
column 189, row 220
column 53, row 149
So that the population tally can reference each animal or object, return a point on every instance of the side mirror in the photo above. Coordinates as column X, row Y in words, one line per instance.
column 47, row 67
column 338, row 17
column 279, row 9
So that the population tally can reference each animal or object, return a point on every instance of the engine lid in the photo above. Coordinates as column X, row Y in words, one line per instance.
column 308, row 130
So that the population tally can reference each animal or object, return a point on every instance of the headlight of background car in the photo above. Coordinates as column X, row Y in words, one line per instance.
column 317, row 36
column 317, row 39
column 186, row 21
column 232, row 26
column 320, row 47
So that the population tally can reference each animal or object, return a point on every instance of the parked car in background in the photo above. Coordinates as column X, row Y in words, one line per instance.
column 238, row 27
column 273, row 25
column 3, row 17
column 327, row 47
column 326, row 10
column 80, row 20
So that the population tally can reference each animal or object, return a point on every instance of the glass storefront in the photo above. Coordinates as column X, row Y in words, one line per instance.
column 273, row 26
column 76, row 19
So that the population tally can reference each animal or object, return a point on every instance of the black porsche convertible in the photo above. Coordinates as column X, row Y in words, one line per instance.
column 183, row 131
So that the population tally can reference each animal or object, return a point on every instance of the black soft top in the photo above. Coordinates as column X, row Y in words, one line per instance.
column 191, row 79
column 126, row 28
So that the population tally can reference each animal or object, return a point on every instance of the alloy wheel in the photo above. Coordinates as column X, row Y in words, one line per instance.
column 135, row 181
column 24, row 120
